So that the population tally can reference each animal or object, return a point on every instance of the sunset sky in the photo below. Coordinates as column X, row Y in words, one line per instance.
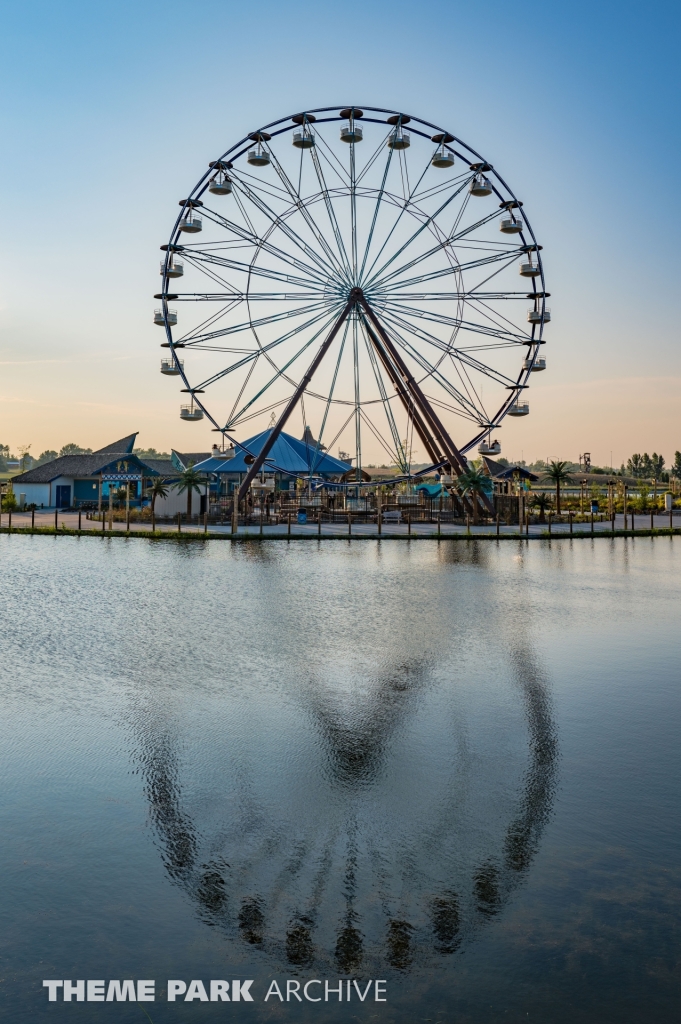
column 110, row 113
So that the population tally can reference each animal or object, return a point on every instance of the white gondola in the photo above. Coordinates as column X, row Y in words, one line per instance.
column 258, row 157
column 228, row 453
column 171, row 368
column 442, row 157
column 539, row 364
column 191, row 223
column 220, row 185
column 190, row 412
column 480, row 186
column 159, row 318
column 303, row 139
column 511, row 225
column 489, row 448
column 529, row 269
column 536, row 316
column 399, row 140
column 351, row 132
column 175, row 269
column 519, row 408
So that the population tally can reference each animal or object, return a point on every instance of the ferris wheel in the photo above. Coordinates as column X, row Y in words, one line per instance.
column 362, row 278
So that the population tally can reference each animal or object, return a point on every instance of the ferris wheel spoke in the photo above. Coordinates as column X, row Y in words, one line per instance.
column 184, row 339
column 295, row 397
column 434, row 250
column 449, row 349
column 250, row 324
column 337, row 261
column 456, row 322
column 429, row 220
column 248, row 268
column 331, row 213
column 281, row 371
column 445, row 271
column 402, row 206
column 444, row 186
column 332, row 160
column 259, row 242
column 382, row 441
column 251, row 354
column 431, row 371
column 495, row 317
column 375, row 214
column 313, row 463
column 467, row 296
column 281, row 223
column 380, row 383
column 236, row 297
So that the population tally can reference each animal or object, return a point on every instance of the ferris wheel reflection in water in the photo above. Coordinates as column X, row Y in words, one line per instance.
column 370, row 851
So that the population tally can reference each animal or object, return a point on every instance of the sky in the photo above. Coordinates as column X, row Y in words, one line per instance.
column 110, row 113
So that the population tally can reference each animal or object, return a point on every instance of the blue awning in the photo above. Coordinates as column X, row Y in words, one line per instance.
column 288, row 456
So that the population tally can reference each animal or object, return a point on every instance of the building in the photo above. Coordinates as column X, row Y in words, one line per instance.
column 506, row 479
column 288, row 459
column 76, row 481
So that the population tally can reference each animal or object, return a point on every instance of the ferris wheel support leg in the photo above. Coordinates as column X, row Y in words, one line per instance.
column 408, row 403
column 456, row 459
column 293, row 401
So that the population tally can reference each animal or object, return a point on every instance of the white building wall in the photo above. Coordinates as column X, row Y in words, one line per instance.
column 38, row 494
column 176, row 502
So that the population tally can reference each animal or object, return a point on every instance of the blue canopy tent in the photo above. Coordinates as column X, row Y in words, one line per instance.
column 289, row 457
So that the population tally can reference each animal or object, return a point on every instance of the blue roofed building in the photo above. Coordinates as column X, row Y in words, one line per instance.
column 289, row 459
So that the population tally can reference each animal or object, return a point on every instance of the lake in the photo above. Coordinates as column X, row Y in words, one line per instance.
column 452, row 769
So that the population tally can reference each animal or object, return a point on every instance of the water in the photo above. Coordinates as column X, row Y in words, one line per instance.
column 454, row 768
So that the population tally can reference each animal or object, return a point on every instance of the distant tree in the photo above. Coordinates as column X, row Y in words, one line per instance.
column 635, row 465
column 9, row 501
column 74, row 449
column 150, row 453
column 676, row 469
column 3, row 464
column 473, row 481
column 189, row 481
column 640, row 502
column 47, row 456
column 557, row 474
column 543, row 502
column 158, row 489
column 657, row 465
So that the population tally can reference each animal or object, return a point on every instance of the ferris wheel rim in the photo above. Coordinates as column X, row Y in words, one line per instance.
column 288, row 124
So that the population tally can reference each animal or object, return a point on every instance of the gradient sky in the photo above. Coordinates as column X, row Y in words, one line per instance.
column 110, row 114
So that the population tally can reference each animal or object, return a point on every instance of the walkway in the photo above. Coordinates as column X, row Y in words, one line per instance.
column 69, row 521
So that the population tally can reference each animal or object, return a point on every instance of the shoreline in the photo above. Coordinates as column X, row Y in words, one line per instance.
column 195, row 536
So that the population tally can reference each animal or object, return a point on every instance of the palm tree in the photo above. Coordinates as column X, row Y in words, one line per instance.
column 476, row 483
column 189, row 481
column 542, row 502
column 158, row 489
column 557, row 474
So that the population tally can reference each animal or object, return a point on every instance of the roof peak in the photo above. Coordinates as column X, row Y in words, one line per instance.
column 123, row 446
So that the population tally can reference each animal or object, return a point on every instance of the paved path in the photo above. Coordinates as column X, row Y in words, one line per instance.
column 69, row 521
